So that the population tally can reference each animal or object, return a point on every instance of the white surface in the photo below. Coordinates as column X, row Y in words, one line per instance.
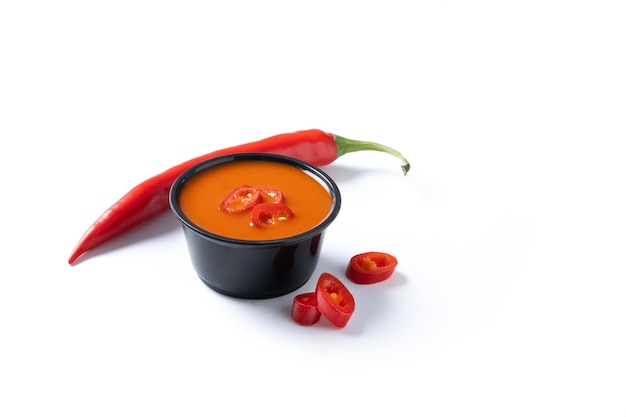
column 509, row 298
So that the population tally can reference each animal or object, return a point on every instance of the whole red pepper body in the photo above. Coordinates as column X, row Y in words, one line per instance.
column 151, row 197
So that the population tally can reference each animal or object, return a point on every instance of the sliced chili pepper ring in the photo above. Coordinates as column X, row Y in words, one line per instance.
column 334, row 300
column 240, row 199
column 371, row 267
column 304, row 309
column 272, row 195
column 270, row 214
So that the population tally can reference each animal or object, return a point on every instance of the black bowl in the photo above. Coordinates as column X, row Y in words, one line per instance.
column 251, row 268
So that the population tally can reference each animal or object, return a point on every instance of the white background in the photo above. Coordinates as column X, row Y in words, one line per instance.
column 509, row 297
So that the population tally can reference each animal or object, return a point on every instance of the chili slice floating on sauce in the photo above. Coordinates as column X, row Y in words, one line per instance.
column 240, row 199
column 371, row 267
column 270, row 214
column 271, row 195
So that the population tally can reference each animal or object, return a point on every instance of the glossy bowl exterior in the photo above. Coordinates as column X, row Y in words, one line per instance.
column 247, row 268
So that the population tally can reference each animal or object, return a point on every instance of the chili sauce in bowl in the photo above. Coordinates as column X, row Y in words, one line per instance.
column 254, row 222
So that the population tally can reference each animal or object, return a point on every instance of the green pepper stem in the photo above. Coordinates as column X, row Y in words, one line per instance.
column 345, row 145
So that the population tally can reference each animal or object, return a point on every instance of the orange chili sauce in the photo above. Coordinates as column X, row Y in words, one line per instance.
column 200, row 197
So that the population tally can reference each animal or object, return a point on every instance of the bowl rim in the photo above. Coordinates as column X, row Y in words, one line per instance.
column 319, row 174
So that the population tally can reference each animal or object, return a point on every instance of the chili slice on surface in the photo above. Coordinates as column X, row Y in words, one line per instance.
column 334, row 300
column 270, row 214
column 304, row 309
column 371, row 267
column 271, row 195
column 240, row 199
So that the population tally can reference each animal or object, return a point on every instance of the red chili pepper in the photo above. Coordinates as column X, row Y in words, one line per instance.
column 334, row 300
column 268, row 214
column 371, row 267
column 272, row 195
column 304, row 309
column 240, row 199
column 151, row 197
